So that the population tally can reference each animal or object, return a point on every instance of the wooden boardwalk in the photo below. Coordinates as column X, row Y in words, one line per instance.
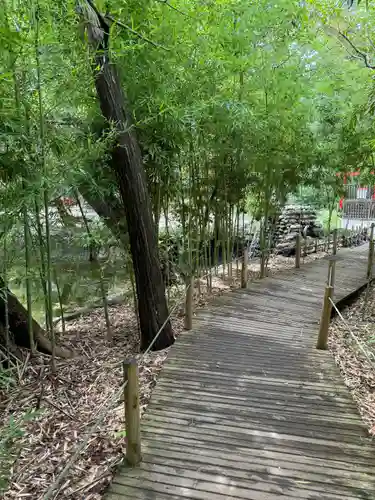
column 247, row 408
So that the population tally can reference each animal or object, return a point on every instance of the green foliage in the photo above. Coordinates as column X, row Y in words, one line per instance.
column 232, row 101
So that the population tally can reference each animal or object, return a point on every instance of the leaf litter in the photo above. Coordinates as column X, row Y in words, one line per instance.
column 64, row 405
column 357, row 362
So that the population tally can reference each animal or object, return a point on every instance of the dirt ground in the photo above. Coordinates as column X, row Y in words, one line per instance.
column 352, row 343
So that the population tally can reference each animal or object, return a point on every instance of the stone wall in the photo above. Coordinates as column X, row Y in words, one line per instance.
column 294, row 220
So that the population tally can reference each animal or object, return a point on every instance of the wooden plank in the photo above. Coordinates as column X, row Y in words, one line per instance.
column 283, row 429
column 245, row 406
column 311, row 478
column 204, row 486
column 294, row 461
column 362, row 459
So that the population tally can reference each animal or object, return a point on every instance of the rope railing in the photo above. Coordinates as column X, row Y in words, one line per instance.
column 328, row 303
column 354, row 337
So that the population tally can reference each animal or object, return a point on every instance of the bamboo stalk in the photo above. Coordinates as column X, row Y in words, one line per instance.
column 237, row 240
column 26, row 229
column 334, row 247
column 244, row 268
column 5, row 292
column 28, row 280
column 49, row 312
column 96, row 266
column 62, row 314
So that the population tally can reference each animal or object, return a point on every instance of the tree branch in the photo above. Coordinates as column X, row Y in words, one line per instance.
column 360, row 55
column 280, row 64
column 165, row 2
column 134, row 32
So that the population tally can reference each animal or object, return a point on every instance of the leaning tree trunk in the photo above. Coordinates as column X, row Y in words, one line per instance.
column 106, row 204
column 126, row 162
column 18, row 326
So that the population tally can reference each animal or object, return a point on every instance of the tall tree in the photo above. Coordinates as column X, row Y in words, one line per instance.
column 126, row 162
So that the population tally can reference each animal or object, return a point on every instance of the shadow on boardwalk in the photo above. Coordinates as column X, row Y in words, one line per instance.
column 247, row 408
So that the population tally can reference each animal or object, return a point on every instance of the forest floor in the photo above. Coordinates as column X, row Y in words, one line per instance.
column 352, row 343
column 50, row 414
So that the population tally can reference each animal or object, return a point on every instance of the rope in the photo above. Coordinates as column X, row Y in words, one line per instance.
column 371, row 361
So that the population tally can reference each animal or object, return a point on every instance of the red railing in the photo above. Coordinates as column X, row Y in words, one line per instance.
column 356, row 191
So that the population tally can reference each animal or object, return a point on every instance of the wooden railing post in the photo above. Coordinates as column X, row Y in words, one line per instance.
column 331, row 273
column 262, row 273
column 244, row 268
column 325, row 319
column 132, row 413
column 188, row 323
column 370, row 261
column 343, row 240
column 298, row 251
column 334, row 248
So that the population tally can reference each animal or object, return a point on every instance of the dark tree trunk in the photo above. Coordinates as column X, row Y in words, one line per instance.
column 126, row 162
column 19, row 333
column 110, row 210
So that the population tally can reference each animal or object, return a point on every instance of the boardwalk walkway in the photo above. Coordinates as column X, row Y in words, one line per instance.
column 247, row 408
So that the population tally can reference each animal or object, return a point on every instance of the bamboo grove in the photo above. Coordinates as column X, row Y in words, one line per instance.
column 173, row 121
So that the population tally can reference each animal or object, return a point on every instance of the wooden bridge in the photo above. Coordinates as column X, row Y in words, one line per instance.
column 247, row 408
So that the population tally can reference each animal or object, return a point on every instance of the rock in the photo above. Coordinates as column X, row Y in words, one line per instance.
column 296, row 219
column 290, row 237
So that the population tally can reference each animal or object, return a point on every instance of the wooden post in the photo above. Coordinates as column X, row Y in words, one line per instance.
column 325, row 319
column 298, row 251
column 331, row 273
column 316, row 245
column 305, row 247
column 244, row 268
column 188, row 323
column 132, row 413
column 262, row 273
column 372, row 231
column 334, row 248
column 370, row 260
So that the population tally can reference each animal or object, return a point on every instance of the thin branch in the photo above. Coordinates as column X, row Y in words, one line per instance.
column 360, row 55
column 280, row 64
column 134, row 32
column 165, row 2
column 372, row 43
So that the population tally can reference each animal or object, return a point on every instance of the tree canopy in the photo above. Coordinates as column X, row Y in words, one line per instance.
column 232, row 105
